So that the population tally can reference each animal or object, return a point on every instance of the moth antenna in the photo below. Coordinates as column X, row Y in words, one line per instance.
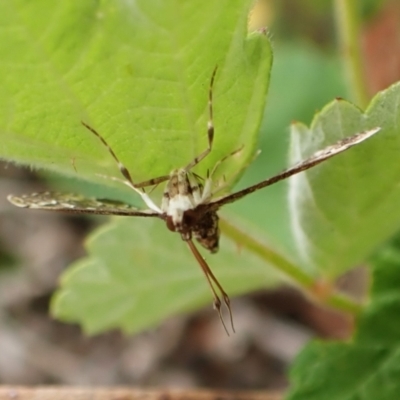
column 210, row 279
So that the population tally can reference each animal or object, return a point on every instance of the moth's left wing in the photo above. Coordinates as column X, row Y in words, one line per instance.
column 74, row 203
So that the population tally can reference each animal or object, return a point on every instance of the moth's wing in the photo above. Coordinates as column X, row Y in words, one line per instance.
column 73, row 203
column 315, row 159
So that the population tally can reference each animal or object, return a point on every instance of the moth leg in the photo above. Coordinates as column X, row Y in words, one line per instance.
column 212, row 279
column 210, row 125
column 145, row 197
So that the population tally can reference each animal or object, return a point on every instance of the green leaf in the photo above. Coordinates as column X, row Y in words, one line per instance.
column 152, row 276
column 369, row 366
column 139, row 73
column 345, row 208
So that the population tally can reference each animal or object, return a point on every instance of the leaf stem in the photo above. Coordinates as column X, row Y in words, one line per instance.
column 348, row 28
column 290, row 270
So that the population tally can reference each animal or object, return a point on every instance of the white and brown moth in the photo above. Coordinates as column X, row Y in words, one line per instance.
column 189, row 205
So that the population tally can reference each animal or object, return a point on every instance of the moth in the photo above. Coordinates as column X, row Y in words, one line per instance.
column 189, row 204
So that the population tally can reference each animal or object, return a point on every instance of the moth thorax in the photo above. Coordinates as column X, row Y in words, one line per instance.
column 182, row 193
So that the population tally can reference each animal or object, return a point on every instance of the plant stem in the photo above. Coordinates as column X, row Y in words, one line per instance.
column 289, row 270
column 348, row 28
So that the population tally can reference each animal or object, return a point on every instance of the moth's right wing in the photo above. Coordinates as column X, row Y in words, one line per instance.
column 315, row 159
